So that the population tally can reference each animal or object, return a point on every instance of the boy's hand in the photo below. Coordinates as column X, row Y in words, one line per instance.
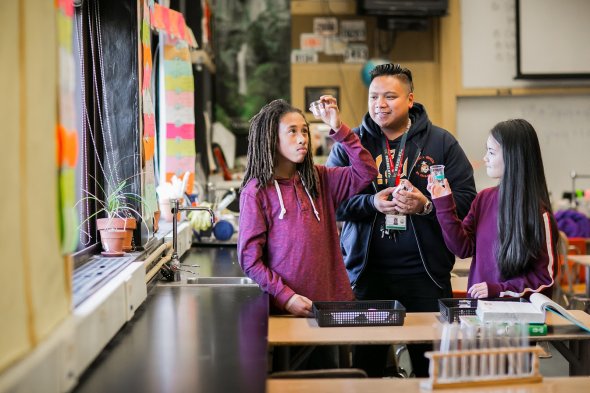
column 300, row 306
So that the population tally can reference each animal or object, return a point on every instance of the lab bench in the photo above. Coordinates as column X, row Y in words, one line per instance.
column 189, row 337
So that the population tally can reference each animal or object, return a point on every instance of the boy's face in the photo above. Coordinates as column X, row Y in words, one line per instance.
column 389, row 103
column 293, row 138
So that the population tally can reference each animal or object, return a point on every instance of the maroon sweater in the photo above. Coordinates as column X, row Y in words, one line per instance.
column 477, row 236
column 300, row 253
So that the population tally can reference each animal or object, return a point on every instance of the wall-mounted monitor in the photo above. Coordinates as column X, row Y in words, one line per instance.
column 415, row 8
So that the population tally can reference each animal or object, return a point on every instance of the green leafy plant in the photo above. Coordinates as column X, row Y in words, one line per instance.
column 116, row 202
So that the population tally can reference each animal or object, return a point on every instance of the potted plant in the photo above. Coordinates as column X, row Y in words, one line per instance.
column 116, row 229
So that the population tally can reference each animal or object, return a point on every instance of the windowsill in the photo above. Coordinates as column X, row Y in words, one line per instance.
column 92, row 270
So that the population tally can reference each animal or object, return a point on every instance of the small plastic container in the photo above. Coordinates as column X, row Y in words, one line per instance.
column 438, row 171
column 359, row 313
column 316, row 108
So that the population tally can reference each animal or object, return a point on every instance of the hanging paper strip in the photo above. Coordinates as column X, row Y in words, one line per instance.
column 178, row 144
column 149, row 123
column 67, row 135
column 172, row 24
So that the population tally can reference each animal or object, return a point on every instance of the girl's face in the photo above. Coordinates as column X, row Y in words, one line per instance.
column 494, row 159
column 293, row 138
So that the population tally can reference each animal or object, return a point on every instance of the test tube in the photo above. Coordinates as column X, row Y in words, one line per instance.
column 524, row 343
column 444, row 348
column 453, row 348
column 465, row 346
column 491, row 335
column 483, row 359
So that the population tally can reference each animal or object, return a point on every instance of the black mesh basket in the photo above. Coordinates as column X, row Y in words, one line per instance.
column 359, row 313
column 452, row 308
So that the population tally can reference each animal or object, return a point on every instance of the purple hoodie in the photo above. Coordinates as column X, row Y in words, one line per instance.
column 477, row 236
column 300, row 252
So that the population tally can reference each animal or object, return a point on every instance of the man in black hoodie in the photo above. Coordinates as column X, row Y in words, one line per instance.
column 391, row 241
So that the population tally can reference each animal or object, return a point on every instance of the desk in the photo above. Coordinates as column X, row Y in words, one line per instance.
column 412, row 385
column 420, row 328
column 585, row 261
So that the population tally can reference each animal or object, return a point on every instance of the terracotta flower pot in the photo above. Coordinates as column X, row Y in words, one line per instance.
column 156, row 220
column 112, row 242
column 125, row 224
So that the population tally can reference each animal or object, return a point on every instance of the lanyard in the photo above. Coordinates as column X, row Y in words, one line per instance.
column 397, row 169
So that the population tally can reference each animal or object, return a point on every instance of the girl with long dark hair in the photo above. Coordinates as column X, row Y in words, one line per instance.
column 510, row 230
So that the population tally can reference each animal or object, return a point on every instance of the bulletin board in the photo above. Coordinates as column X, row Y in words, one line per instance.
column 562, row 124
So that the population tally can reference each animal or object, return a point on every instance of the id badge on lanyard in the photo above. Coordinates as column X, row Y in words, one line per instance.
column 397, row 222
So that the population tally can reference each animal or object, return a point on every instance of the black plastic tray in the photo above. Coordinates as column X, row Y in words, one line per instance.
column 359, row 313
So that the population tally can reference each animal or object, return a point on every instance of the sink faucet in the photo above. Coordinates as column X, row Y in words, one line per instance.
column 175, row 261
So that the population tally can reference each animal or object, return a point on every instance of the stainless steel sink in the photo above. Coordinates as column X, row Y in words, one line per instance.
column 226, row 281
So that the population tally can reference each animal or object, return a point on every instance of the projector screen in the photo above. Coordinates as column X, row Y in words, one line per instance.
column 552, row 39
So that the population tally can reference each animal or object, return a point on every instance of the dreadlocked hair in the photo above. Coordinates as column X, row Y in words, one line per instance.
column 262, row 148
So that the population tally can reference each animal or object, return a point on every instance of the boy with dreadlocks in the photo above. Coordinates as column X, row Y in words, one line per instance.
column 288, row 241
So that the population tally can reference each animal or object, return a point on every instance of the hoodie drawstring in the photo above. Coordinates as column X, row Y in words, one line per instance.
column 283, row 210
column 315, row 211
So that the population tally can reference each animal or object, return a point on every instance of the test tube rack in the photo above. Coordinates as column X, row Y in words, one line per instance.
column 483, row 367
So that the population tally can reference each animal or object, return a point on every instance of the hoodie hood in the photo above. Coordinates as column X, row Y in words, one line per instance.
column 418, row 115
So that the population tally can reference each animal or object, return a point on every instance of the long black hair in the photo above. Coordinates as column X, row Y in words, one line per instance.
column 263, row 138
column 523, row 198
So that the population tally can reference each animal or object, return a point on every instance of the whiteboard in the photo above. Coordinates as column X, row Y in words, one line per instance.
column 562, row 124
column 554, row 23
column 488, row 46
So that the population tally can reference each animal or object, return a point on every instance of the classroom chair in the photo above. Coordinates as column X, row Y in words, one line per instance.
column 570, row 285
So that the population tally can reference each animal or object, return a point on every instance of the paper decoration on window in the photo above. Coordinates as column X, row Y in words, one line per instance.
column 325, row 26
column 177, row 136
column 353, row 30
column 66, row 132
column 172, row 23
column 149, row 123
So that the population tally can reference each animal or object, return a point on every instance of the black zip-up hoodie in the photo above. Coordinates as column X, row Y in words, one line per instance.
column 426, row 145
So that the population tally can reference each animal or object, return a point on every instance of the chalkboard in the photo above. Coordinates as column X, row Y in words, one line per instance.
column 488, row 42
column 562, row 124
